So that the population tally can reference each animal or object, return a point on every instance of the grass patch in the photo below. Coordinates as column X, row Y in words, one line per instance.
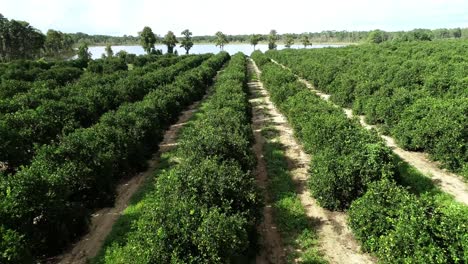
column 296, row 228
column 269, row 132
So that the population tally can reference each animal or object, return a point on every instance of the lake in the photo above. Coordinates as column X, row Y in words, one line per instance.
column 200, row 49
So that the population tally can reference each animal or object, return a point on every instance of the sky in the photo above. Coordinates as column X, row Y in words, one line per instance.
column 205, row 17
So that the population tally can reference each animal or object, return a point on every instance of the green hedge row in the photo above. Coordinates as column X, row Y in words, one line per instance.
column 205, row 208
column 21, row 95
column 351, row 167
column 28, row 70
column 400, row 227
column 81, row 107
column 46, row 205
column 345, row 156
column 417, row 80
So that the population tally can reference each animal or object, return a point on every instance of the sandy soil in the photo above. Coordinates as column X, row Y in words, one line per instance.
column 336, row 241
column 272, row 250
column 449, row 182
column 103, row 220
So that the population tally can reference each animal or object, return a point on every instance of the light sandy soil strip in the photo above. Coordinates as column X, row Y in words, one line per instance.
column 103, row 220
column 336, row 240
column 272, row 250
column 449, row 182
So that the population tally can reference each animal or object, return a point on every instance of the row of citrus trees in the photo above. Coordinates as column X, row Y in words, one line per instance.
column 24, row 72
column 18, row 95
column 50, row 113
column 205, row 208
column 47, row 204
column 416, row 91
column 29, row 71
column 351, row 169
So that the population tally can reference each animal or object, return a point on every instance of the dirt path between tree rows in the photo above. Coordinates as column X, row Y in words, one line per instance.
column 103, row 220
column 272, row 250
column 449, row 182
column 336, row 240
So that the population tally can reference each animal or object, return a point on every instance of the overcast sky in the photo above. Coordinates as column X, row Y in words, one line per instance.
column 205, row 17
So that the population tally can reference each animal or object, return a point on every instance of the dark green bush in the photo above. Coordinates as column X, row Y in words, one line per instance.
column 79, row 105
column 338, row 179
column 12, row 247
column 438, row 126
column 48, row 203
column 346, row 157
column 205, row 208
column 385, row 82
column 402, row 228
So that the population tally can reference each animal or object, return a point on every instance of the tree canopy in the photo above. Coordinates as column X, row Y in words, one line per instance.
column 187, row 42
column 221, row 39
column 272, row 38
column 83, row 53
column 377, row 36
column 109, row 51
column 254, row 39
column 147, row 39
column 288, row 40
column 170, row 41
column 19, row 40
column 305, row 41
column 57, row 42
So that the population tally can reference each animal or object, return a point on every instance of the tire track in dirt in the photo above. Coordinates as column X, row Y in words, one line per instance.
column 336, row 240
column 449, row 182
column 272, row 250
column 103, row 220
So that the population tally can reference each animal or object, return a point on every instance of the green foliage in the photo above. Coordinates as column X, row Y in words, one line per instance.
column 48, row 203
column 221, row 39
column 19, row 40
column 42, row 114
column 400, row 227
column 338, row 179
column 147, row 39
column 346, row 157
column 417, row 35
column 438, row 126
column 377, row 36
column 351, row 167
column 305, row 41
column 423, row 83
column 109, row 51
column 57, row 42
column 83, row 53
column 288, row 40
column 205, row 208
column 254, row 39
column 170, row 41
column 272, row 38
column 12, row 247
column 187, row 42
column 108, row 65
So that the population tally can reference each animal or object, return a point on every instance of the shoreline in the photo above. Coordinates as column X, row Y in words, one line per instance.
column 230, row 43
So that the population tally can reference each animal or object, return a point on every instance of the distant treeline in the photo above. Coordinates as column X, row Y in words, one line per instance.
column 104, row 39
column 329, row 36
column 20, row 40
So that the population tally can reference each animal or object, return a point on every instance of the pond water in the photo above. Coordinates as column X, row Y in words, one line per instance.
column 200, row 48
